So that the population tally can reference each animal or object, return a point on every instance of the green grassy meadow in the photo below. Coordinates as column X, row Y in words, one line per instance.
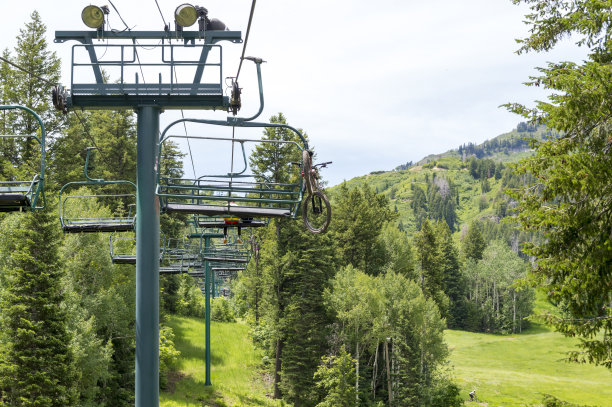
column 509, row 370
column 516, row 370
column 235, row 371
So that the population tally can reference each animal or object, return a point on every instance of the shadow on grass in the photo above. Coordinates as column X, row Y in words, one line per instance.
column 189, row 391
column 250, row 401
column 536, row 328
column 189, row 350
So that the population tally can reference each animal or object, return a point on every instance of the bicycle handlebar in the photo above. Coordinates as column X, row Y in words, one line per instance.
column 322, row 165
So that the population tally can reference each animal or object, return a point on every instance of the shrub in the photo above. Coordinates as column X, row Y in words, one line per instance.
column 221, row 311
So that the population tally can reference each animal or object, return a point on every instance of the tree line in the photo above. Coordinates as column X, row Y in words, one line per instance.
column 358, row 313
column 67, row 313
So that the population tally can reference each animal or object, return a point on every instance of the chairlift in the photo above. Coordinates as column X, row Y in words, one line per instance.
column 181, row 255
column 226, row 254
column 73, row 222
column 230, row 222
column 236, row 196
column 25, row 190
column 123, row 248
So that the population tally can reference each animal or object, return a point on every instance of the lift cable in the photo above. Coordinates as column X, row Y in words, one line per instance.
column 246, row 38
column 27, row 71
column 119, row 14
column 75, row 112
column 182, row 111
column 127, row 27
column 91, row 138
column 160, row 13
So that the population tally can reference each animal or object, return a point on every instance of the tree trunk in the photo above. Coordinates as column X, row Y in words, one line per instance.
column 277, row 369
column 375, row 371
column 257, row 289
column 356, row 369
column 388, row 373
column 513, row 311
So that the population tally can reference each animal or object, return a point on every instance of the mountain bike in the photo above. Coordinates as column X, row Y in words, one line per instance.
column 316, row 210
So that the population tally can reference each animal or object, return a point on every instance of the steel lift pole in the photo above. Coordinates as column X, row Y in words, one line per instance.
column 207, row 276
column 147, row 266
column 148, row 100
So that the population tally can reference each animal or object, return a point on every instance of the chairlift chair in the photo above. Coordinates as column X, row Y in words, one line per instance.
column 24, row 192
column 230, row 222
column 123, row 248
column 72, row 222
column 235, row 194
column 226, row 254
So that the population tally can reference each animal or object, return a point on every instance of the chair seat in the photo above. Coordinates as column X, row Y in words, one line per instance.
column 240, row 211
column 10, row 202
column 226, row 259
column 97, row 227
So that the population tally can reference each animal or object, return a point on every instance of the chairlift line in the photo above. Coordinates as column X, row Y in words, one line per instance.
column 246, row 38
column 27, row 71
column 28, row 194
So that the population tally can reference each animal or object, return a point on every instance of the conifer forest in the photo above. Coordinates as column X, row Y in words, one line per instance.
column 116, row 271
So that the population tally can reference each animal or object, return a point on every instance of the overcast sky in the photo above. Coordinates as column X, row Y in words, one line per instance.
column 374, row 84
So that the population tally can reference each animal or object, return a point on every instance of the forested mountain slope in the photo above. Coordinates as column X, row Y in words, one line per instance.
column 460, row 185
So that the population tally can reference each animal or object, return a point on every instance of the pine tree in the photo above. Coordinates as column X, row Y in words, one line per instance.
column 19, row 156
column 308, row 271
column 429, row 263
column 36, row 361
column 270, row 162
column 359, row 216
column 473, row 242
column 32, row 54
column 453, row 281
column 569, row 201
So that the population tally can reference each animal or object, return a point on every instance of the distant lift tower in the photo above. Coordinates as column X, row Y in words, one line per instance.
column 118, row 82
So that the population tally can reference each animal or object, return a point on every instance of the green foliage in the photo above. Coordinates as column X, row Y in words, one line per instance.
column 473, row 242
column 168, row 354
column 359, row 215
column 238, row 379
column 571, row 200
column 103, row 295
column 21, row 88
column 429, row 265
column 190, row 300
column 552, row 401
column 288, row 279
column 113, row 132
column 444, row 392
column 271, row 161
column 550, row 23
column 388, row 311
column 498, row 303
column 221, row 311
column 308, row 265
column 336, row 376
column 36, row 360
column 398, row 251
column 453, row 281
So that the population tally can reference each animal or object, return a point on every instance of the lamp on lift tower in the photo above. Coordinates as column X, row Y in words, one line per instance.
column 186, row 15
column 93, row 16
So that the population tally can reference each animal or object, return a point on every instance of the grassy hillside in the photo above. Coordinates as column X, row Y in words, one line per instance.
column 397, row 186
column 510, row 370
column 235, row 370
column 516, row 370
column 452, row 165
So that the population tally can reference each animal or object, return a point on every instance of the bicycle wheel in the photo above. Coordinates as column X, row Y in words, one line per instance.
column 316, row 212
column 307, row 170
